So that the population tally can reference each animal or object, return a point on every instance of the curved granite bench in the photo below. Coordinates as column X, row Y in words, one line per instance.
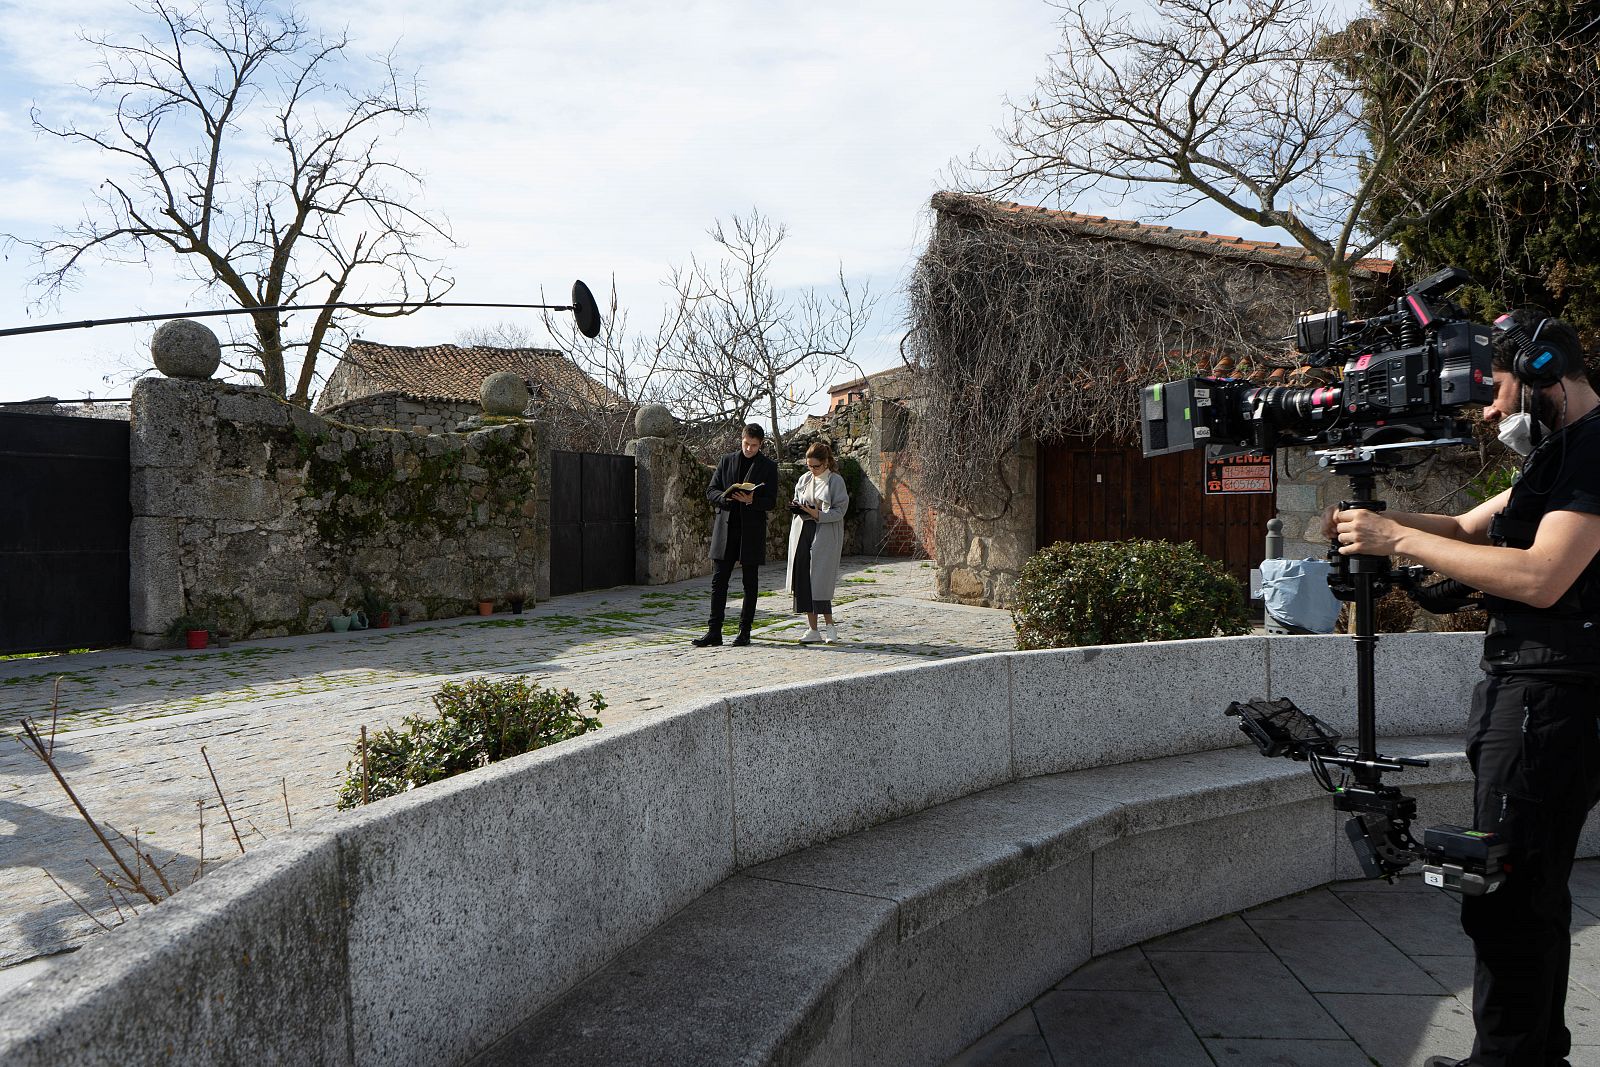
column 901, row 944
column 426, row 928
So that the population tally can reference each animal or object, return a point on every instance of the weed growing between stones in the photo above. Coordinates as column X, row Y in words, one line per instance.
column 135, row 877
column 480, row 722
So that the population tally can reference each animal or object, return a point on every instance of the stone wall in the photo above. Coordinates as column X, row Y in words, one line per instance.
column 397, row 411
column 264, row 519
column 980, row 551
column 672, row 518
column 854, row 432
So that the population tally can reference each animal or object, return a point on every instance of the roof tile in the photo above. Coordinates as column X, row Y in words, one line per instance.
column 451, row 372
column 1166, row 236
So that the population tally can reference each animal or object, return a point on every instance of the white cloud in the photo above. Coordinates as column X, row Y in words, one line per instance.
column 579, row 138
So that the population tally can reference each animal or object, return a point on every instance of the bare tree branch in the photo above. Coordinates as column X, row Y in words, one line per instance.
column 738, row 347
column 1258, row 105
column 237, row 154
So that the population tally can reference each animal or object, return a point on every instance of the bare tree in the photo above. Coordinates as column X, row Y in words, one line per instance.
column 1257, row 105
column 242, row 157
column 737, row 346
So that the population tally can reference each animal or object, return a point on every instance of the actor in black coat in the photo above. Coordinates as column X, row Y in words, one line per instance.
column 739, row 530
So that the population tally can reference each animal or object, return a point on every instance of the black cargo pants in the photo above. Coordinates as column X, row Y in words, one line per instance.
column 1534, row 746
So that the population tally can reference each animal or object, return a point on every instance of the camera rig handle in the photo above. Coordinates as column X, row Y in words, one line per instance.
column 1381, row 815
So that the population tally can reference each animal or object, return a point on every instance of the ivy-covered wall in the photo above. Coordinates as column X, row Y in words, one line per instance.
column 264, row 519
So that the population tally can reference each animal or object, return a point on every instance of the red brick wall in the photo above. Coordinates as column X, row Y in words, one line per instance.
column 907, row 529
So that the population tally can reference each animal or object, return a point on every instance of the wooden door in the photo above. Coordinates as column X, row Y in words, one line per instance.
column 1098, row 491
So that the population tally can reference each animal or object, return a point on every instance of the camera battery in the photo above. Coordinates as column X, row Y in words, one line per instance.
column 1460, row 843
column 1470, row 862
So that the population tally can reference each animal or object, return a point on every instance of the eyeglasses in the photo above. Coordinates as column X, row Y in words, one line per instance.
column 815, row 464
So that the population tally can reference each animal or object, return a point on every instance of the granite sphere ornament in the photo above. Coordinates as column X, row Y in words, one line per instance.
column 654, row 420
column 184, row 348
column 504, row 393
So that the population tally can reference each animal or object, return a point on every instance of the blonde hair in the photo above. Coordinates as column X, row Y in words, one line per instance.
column 819, row 450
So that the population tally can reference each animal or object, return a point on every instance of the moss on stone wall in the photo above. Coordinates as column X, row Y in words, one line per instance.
column 366, row 485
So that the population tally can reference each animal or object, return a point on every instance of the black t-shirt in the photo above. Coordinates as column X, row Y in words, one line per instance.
column 1563, row 640
column 1563, row 474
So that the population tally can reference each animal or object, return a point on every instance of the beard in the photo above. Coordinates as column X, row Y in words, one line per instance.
column 1545, row 409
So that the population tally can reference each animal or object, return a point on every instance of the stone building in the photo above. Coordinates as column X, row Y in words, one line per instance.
column 1075, row 471
column 433, row 388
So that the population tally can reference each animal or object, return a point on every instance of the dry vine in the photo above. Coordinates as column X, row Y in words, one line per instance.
column 1024, row 328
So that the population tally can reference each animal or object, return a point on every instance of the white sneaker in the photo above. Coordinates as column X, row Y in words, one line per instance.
column 831, row 634
column 810, row 637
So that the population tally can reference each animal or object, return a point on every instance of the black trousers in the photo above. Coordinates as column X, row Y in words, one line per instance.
column 1534, row 746
column 800, row 577
column 719, row 594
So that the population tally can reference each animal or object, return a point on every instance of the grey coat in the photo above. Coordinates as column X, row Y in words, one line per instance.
column 828, row 493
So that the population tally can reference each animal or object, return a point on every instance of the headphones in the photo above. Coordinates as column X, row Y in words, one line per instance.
column 1536, row 365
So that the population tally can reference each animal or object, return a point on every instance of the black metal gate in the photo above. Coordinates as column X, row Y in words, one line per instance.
column 591, row 522
column 64, row 518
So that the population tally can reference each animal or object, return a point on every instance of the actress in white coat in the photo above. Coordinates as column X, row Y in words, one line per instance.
column 816, row 539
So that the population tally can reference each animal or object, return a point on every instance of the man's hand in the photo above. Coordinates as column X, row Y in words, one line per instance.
column 743, row 498
column 1366, row 533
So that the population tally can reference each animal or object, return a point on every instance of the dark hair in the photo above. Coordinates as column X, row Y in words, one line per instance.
column 820, row 450
column 753, row 429
column 1551, row 331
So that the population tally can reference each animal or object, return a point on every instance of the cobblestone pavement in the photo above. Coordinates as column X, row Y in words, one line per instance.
column 278, row 718
column 1355, row 974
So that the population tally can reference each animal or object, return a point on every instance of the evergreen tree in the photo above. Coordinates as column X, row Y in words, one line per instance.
column 1531, row 235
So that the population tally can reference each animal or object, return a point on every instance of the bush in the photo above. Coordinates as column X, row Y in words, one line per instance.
column 480, row 721
column 1111, row 592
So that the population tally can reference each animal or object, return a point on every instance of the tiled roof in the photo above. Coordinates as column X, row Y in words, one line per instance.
column 450, row 372
column 1121, row 229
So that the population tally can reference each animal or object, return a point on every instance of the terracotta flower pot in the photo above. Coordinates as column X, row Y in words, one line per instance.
column 197, row 638
column 485, row 607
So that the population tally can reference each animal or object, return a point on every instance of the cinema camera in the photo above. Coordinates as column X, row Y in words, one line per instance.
column 1407, row 376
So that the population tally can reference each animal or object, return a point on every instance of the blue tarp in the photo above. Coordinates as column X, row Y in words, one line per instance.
column 1296, row 592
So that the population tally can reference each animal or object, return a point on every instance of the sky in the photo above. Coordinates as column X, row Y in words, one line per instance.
column 576, row 139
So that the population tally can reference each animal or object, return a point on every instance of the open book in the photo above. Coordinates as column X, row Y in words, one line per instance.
column 743, row 487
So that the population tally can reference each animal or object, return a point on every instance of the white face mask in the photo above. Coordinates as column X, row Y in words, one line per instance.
column 1516, row 433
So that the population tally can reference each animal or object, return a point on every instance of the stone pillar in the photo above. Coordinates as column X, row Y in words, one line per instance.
column 171, row 433
column 672, row 519
column 980, row 551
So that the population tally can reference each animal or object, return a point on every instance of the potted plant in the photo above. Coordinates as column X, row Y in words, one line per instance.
column 224, row 638
column 339, row 623
column 516, row 600
column 188, row 631
column 375, row 608
column 485, row 607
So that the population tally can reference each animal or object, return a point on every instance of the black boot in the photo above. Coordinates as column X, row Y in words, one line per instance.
column 710, row 639
column 742, row 639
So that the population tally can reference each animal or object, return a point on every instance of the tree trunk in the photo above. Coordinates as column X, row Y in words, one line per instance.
column 1339, row 286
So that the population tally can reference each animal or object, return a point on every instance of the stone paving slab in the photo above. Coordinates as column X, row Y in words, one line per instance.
column 1240, row 991
column 278, row 718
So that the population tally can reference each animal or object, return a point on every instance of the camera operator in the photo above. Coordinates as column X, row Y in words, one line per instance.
column 1532, row 737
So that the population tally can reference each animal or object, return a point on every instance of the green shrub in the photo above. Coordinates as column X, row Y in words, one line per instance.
column 1111, row 592
column 480, row 721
